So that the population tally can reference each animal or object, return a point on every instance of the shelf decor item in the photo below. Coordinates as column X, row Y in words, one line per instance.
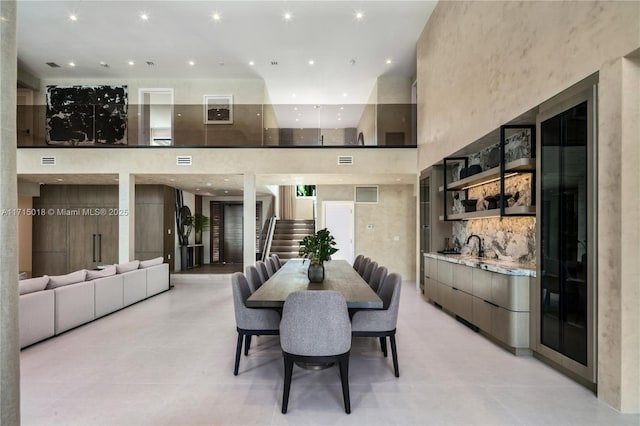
column 318, row 248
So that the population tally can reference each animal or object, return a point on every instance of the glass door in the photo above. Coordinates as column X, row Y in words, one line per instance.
column 425, row 222
column 567, row 235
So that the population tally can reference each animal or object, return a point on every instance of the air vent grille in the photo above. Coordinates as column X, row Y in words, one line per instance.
column 184, row 160
column 345, row 160
column 47, row 161
column 53, row 64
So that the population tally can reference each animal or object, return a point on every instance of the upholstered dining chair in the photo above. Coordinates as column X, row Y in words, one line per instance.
column 363, row 265
column 250, row 321
column 368, row 271
column 253, row 277
column 356, row 262
column 270, row 262
column 315, row 329
column 262, row 270
column 277, row 259
column 382, row 323
column 377, row 278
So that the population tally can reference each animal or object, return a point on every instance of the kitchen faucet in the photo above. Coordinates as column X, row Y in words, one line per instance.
column 480, row 249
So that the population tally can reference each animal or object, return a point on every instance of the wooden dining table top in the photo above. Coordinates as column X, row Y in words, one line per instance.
column 339, row 275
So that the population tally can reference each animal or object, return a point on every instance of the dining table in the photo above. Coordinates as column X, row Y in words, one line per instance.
column 339, row 276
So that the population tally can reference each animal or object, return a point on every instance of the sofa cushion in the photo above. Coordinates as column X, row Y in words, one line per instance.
column 56, row 281
column 105, row 272
column 151, row 262
column 33, row 284
column 121, row 268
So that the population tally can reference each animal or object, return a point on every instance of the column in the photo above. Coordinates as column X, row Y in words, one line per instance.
column 126, row 219
column 249, row 223
column 9, row 338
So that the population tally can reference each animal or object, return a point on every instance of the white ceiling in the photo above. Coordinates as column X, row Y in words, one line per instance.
column 177, row 32
column 181, row 31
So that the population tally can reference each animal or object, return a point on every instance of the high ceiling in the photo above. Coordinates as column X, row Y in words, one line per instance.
column 348, row 53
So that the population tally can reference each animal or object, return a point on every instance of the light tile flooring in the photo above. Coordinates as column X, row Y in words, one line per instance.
column 169, row 361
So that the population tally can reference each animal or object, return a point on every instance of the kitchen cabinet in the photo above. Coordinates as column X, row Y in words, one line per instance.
column 496, row 303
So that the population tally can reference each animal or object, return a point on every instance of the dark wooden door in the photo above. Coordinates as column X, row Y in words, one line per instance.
column 232, row 252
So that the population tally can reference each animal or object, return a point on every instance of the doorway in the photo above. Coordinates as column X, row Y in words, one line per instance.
column 226, row 226
column 339, row 220
column 155, row 125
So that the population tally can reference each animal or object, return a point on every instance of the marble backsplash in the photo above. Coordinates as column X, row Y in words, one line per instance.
column 505, row 238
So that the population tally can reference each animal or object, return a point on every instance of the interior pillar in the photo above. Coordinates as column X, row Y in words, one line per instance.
column 9, row 336
column 126, row 217
column 249, row 222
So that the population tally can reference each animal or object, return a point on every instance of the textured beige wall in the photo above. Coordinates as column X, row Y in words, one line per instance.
column 393, row 216
column 481, row 64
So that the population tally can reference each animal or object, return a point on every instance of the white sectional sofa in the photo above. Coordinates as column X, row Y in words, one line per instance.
column 52, row 305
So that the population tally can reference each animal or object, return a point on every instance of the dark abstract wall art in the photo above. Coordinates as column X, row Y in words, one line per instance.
column 86, row 115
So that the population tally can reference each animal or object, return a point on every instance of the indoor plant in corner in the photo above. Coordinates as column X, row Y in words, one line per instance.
column 318, row 248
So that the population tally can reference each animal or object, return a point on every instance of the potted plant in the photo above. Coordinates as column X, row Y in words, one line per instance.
column 318, row 248
column 200, row 224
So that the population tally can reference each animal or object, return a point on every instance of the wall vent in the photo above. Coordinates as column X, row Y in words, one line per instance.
column 345, row 160
column 53, row 64
column 184, row 160
column 366, row 194
column 47, row 161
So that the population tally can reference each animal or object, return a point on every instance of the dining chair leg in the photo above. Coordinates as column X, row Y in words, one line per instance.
column 288, row 370
column 344, row 378
column 383, row 345
column 247, row 344
column 394, row 354
column 238, row 352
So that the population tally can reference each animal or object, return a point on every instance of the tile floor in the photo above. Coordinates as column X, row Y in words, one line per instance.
column 169, row 360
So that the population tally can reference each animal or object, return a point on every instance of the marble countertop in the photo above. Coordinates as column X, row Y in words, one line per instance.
column 492, row 265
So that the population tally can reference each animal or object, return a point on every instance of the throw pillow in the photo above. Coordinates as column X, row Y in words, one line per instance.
column 22, row 276
column 105, row 272
column 62, row 280
column 121, row 268
column 151, row 262
column 32, row 285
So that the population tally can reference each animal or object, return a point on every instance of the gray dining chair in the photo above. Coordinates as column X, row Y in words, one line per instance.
column 356, row 262
column 253, row 277
column 368, row 271
column 262, row 270
column 315, row 329
column 377, row 278
column 382, row 323
column 277, row 259
column 271, row 266
column 363, row 265
column 250, row 321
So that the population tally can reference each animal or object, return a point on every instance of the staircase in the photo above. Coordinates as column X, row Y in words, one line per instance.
column 287, row 234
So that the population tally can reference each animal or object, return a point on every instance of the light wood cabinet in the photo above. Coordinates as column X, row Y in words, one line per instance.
column 462, row 277
column 482, row 284
column 462, row 304
column 445, row 272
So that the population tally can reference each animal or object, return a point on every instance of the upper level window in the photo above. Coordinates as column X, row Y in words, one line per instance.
column 303, row 191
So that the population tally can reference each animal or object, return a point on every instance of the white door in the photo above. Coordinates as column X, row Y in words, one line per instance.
column 339, row 220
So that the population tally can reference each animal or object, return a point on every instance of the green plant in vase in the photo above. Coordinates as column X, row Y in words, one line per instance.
column 200, row 224
column 318, row 248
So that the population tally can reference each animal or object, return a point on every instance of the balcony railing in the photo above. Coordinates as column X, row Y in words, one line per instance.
column 258, row 125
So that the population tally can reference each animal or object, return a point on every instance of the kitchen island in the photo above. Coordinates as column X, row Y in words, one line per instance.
column 491, row 296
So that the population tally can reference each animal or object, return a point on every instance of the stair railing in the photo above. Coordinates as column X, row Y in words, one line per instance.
column 269, row 238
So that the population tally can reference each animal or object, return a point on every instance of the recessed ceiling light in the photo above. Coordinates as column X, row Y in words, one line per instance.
column 339, row 119
column 72, row 64
column 191, row 63
column 388, row 61
column 297, row 119
column 132, row 63
column 293, row 95
column 226, row 179
column 341, row 107
column 116, row 179
column 311, row 62
column 197, row 189
column 359, row 15
column 295, row 108
column 208, row 183
column 345, row 94
column 73, row 17
column 226, row 192
column 216, row 16
column 172, row 180
column 59, row 179
column 144, row 16
column 252, row 63
column 287, row 16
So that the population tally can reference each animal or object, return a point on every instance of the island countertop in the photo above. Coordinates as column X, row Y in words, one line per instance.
column 493, row 265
